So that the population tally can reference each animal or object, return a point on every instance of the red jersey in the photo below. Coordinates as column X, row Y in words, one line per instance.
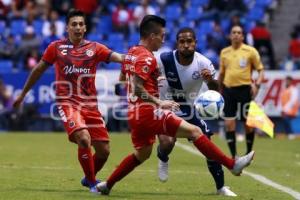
column 75, row 69
column 141, row 61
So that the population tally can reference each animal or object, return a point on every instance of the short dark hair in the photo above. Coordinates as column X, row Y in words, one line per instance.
column 185, row 30
column 74, row 13
column 150, row 25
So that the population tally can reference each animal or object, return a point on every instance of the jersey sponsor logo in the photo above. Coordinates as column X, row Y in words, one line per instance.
column 64, row 52
column 79, row 70
column 71, row 124
column 62, row 114
column 130, row 58
column 196, row 75
column 65, row 46
column 145, row 69
column 89, row 53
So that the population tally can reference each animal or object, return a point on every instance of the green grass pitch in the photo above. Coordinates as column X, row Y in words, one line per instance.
column 39, row 166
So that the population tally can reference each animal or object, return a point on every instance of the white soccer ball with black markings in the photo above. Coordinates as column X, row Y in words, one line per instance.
column 209, row 104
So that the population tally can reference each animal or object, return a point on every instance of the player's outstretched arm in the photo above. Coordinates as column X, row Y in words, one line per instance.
column 31, row 80
column 117, row 57
column 140, row 91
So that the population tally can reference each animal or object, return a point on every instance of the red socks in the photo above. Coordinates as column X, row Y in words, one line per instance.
column 211, row 151
column 87, row 163
column 125, row 167
column 98, row 163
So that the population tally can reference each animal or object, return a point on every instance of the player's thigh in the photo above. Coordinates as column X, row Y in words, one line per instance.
column 197, row 121
column 72, row 119
column 96, row 125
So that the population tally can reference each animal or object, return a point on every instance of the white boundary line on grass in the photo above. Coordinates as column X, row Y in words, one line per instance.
column 257, row 177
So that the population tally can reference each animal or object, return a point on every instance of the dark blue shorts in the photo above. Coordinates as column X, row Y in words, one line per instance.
column 192, row 116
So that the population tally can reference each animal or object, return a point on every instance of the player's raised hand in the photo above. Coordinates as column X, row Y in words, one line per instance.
column 169, row 105
column 18, row 101
column 206, row 74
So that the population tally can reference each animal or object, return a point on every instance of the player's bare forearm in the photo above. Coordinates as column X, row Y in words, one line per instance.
column 34, row 76
column 213, row 85
column 140, row 91
column 117, row 57
column 260, row 77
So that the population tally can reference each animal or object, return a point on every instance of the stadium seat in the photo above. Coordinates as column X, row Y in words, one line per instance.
column 38, row 26
column 6, row 66
column 173, row 12
column 263, row 3
column 193, row 13
column 256, row 14
column 17, row 26
column 2, row 27
column 197, row 3
column 133, row 39
column 104, row 25
column 115, row 37
column 94, row 37
column 205, row 27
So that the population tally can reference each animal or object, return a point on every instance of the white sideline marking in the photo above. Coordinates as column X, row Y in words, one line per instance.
column 257, row 177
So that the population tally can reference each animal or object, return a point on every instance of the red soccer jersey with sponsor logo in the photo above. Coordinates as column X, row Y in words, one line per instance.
column 75, row 68
column 141, row 62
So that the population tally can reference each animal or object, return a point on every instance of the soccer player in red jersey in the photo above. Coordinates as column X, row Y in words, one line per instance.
column 148, row 115
column 75, row 61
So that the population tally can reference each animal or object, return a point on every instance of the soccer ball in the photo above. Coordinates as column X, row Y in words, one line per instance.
column 209, row 104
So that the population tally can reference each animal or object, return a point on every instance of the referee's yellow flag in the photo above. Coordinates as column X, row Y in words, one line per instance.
column 258, row 119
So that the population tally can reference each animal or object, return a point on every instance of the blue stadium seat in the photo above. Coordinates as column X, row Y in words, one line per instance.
column 115, row 37
column 2, row 27
column 94, row 37
column 133, row 39
column 104, row 25
column 193, row 13
column 17, row 26
column 197, row 3
column 38, row 26
column 263, row 3
column 173, row 12
column 205, row 27
column 256, row 14
column 6, row 66
column 187, row 23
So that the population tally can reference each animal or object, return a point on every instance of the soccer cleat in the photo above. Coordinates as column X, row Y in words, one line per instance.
column 242, row 162
column 163, row 171
column 102, row 188
column 225, row 191
column 92, row 187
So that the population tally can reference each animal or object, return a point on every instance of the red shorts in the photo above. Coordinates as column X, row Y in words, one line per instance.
column 147, row 122
column 75, row 118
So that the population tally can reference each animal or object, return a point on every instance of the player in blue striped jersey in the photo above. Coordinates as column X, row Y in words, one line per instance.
column 182, row 73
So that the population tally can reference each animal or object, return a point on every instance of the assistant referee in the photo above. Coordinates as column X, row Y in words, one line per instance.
column 237, row 63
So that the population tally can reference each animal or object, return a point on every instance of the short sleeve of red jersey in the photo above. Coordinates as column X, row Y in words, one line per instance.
column 102, row 52
column 144, row 66
column 49, row 55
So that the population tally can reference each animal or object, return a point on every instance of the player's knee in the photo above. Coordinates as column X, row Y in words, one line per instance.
column 195, row 133
column 167, row 143
column 83, row 140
